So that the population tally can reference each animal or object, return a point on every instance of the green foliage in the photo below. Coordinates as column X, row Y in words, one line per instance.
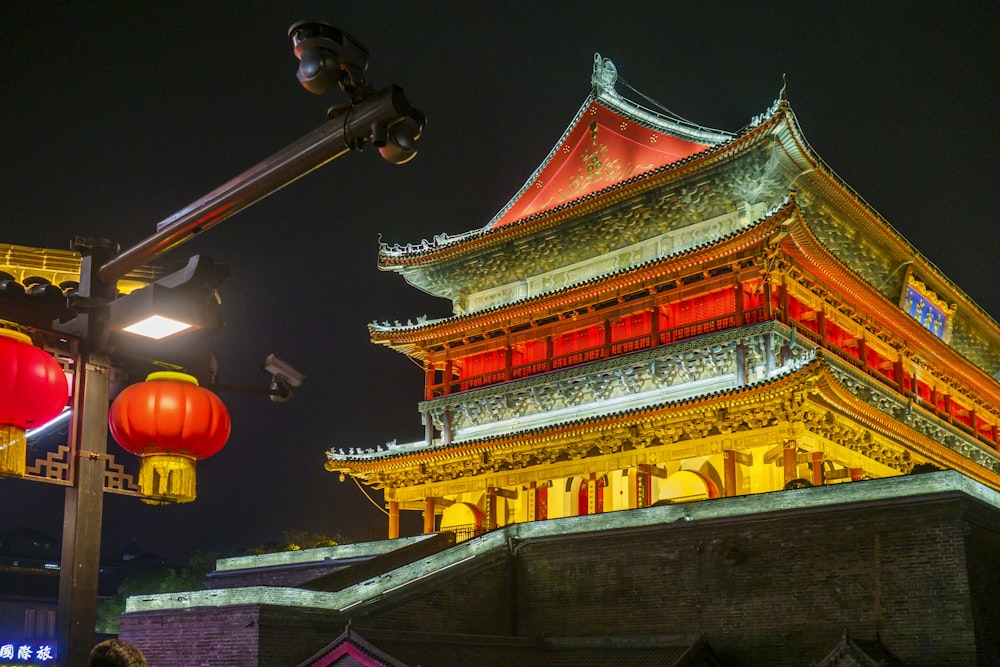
column 294, row 540
column 161, row 579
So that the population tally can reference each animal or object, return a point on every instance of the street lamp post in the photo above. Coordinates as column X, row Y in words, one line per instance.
column 328, row 58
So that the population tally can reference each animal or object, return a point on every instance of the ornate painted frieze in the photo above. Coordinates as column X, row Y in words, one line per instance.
column 664, row 245
column 690, row 368
column 746, row 186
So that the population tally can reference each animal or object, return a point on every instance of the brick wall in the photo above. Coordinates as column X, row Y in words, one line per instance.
column 474, row 599
column 776, row 588
column 236, row 636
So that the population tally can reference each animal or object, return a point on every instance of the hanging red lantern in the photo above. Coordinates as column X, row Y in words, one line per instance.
column 32, row 392
column 170, row 422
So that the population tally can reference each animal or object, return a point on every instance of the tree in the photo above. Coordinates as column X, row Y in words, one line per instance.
column 161, row 579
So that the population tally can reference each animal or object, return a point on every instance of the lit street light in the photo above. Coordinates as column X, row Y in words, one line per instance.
column 329, row 59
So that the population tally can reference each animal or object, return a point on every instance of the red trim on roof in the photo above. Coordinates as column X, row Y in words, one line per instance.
column 602, row 149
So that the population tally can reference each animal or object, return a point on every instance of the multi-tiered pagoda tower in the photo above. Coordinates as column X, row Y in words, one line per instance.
column 669, row 313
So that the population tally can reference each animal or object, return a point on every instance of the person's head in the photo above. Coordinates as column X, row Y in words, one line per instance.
column 115, row 653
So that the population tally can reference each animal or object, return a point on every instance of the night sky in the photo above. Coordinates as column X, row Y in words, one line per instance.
column 116, row 115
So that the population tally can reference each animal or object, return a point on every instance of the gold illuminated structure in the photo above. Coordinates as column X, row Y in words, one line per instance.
column 667, row 313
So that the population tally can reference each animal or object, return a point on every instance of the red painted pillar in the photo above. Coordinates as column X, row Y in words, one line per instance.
column 729, row 473
column 791, row 461
column 447, row 376
column 532, row 501
column 428, row 380
column 393, row 519
column 856, row 474
column 491, row 507
column 817, row 471
column 642, row 486
column 738, row 298
column 428, row 515
column 783, row 303
column 654, row 327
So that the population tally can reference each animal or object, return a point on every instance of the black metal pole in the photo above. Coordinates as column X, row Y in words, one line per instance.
column 100, row 270
column 350, row 129
column 84, row 504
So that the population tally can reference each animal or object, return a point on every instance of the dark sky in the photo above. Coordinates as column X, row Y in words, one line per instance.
column 115, row 115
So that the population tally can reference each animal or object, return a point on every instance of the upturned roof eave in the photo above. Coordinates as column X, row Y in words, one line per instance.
column 397, row 257
column 816, row 170
column 752, row 235
column 809, row 253
column 379, row 460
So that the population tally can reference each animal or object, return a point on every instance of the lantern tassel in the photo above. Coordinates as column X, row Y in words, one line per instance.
column 167, row 478
column 13, row 450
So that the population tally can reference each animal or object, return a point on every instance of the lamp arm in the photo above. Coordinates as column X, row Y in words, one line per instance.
column 351, row 128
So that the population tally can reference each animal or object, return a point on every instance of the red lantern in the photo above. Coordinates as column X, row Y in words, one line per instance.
column 32, row 392
column 171, row 423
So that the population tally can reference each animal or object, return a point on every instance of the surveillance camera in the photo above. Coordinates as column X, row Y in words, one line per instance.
column 283, row 371
column 397, row 142
column 328, row 57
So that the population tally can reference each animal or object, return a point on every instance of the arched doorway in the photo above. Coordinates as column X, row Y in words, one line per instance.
column 464, row 519
column 686, row 486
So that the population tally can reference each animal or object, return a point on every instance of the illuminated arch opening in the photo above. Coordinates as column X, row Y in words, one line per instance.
column 687, row 486
column 464, row 519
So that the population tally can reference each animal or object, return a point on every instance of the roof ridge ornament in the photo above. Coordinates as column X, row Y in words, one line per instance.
column 605, row 75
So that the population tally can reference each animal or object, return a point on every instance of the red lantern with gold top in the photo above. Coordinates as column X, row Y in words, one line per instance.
column 170, row 422
column 33, row 391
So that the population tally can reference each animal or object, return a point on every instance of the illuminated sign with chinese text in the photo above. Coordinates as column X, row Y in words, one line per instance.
column 27, row 653
column 923, row 305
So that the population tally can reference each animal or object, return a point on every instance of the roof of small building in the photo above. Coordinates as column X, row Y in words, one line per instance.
column 404, row 649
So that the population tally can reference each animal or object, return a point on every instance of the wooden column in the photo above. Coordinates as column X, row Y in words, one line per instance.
column 856, row 474
column 642, row 486
column 900, row 376
column 791, row 461
column 607, row 339
column 738, row 298
column 741, row 363
column 393, row 519
column 508, row 362
column 729, row 473
column 491, row 507
column 863, row 353
column 428, row 515
column 769, row 353
column 428, row 380
column 821, row 328
column 817, row 468
column 548, row 353
column 654, row 327
column 592, row 494
column 783, row 303
column 532, row 501
column 768, row 309
column 447, row 377
column 446, row 427
column 428, row 428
